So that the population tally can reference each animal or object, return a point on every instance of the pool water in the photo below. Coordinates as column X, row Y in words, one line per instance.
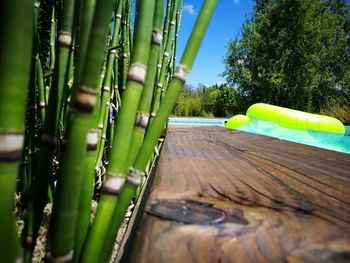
column 197, row 121
column 326, row 140
column 318, row 139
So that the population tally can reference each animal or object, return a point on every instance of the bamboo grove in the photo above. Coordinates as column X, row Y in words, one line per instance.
column 86, row 90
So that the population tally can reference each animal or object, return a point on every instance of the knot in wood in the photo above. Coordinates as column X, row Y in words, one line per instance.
column 194, row 212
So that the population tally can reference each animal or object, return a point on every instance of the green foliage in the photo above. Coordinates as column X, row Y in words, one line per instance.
column 214, row 101
column 79, row 73
column 292, row 53
column 342, row 113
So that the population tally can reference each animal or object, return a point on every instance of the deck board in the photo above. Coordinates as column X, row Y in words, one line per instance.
column 228, row 196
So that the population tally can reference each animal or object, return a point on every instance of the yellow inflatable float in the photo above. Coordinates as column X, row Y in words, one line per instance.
column 287, row 118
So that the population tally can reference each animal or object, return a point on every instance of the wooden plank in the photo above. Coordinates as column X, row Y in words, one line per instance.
column 229, row 196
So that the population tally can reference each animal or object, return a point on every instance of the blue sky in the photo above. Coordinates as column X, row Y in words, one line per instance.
column 225, row 25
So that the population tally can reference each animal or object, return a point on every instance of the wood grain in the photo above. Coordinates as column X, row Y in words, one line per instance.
column 229, row 196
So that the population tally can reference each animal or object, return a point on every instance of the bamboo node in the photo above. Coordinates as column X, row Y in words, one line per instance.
column 153, row 114
column 141, row 120
column 137, row 73
column 65, row 39
column 166, row 54
column 125, row 55
column 61, row 259
column 172, row 23
column 114, row 107
column 119, row 16
column 135, row 177
column 157, row 37
column 159, row 65
column 181, row 73
column 92, row 140
column 113, row 51
column 11, row 146
column 100, row 126
column 113, row 184
column 160, row 85
column 86, row 99
column 105, row 89
column 42, row 104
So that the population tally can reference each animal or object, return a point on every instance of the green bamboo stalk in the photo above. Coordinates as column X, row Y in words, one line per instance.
column 116, row 73
column 85, row 15
column 50, row 129
column 15, row 59
column 65, row 207
column 36, row 97
column 162, row 83
column 125, row 47
column 151, row 139
column 171, row 27
column 31, row 117
column 158, row 87
column 87, row 188
column 84, row 23
column 177, row 29
column 53, row 38
column 87, row 12
column 144, row 108
column 176, row 84
column 95, row 124
column 99, row 113
column 41, row 88
column 87, row 185
column 103, row 122
column 128, row 21
column 52, row 55
column 117, row 168
column 116, row 99
column 166, row 25
column 30, row 142
column 106, row 89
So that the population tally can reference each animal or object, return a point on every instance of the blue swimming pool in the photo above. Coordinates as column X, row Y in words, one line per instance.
column 317, row 139
column 330, row 141
column 197, row 121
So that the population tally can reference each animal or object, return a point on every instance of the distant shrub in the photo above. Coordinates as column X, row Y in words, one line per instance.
column 341, row 112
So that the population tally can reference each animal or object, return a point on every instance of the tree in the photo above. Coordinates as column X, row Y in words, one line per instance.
column 292, row 53
column 202, row 101
column 225, row 102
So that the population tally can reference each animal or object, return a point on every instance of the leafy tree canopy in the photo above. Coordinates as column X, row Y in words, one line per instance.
column 293, row 53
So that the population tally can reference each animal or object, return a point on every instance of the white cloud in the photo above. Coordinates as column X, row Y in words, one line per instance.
column 236, row 1
column 189, row 9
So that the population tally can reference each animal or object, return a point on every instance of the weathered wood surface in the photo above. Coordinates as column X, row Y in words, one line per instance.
column 228, row 196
